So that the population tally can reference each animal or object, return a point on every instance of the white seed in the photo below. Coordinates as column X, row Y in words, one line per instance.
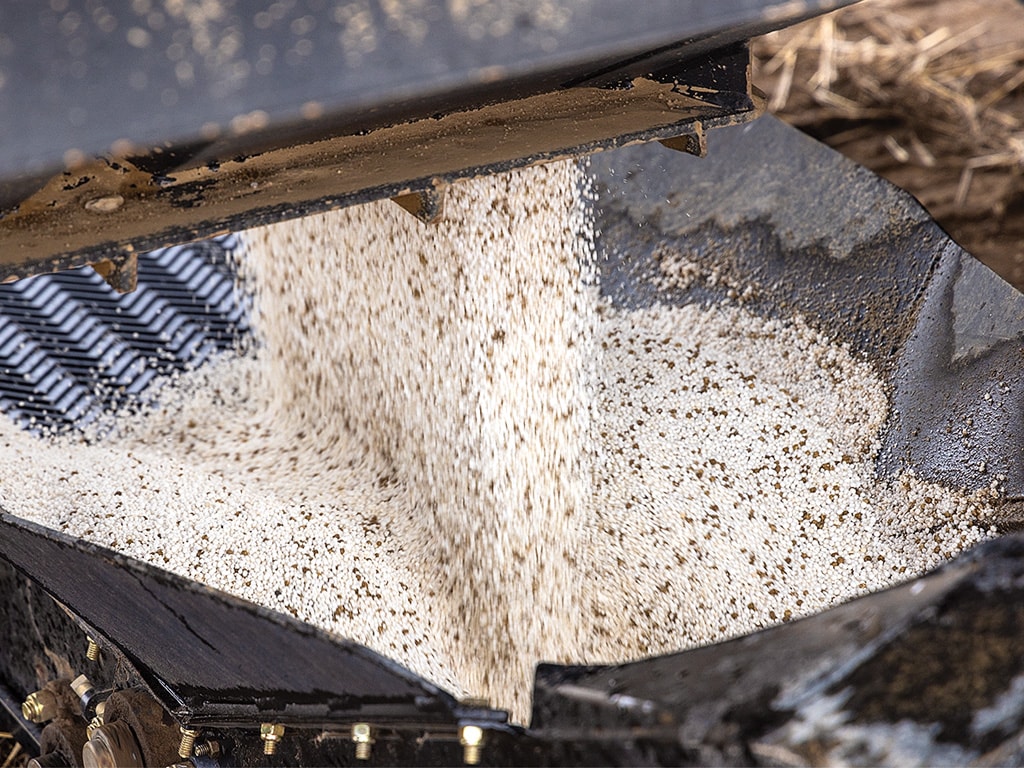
column 447, row 447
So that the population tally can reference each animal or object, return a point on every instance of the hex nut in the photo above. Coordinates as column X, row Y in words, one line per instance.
column 40, row 706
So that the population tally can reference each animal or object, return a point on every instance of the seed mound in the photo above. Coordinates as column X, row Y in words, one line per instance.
column 445, row 445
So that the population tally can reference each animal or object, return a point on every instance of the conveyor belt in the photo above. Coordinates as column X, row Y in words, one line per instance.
column 72, row 348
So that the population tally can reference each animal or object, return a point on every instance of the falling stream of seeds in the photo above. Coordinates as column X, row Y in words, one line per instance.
column 446, row 447
column 456, row 354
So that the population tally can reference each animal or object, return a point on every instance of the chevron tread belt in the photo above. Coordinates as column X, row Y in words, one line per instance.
column 72, row 348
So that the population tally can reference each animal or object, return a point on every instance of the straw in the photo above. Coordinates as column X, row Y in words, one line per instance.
column 936, row 97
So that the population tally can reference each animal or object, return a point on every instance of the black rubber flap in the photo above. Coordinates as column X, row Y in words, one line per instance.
column 211, row 657
column 927, row 673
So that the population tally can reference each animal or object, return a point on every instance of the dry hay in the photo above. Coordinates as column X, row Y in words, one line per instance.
column 936, row 86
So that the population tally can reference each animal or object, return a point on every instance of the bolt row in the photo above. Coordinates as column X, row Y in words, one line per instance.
column 41, row 706
column 471, row 737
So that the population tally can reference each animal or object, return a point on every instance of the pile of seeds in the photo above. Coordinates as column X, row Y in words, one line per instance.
column 447, row 447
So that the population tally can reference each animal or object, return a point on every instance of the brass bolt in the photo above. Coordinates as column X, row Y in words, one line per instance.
column 362, row 735
column 207, row 749
column 271, row 734
column 471, row 737
column 97, row 721
column 39, row 706
column 187, row 743
column 92, row 653
column 85, row 692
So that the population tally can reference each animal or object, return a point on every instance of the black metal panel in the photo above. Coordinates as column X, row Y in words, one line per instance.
column 957, row 408
column 108, row 209
column 22, row 662
column 926, row 673
column 80, row 76
column 137, row 125
column 213, row 658
column 811, row 233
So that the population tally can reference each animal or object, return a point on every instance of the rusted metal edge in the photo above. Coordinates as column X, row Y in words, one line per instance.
column 106, row 210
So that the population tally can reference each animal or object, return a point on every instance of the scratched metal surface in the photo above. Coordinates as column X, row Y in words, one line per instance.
column 82, row 75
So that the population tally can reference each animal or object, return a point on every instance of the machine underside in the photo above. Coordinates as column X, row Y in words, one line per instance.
column 179, row 673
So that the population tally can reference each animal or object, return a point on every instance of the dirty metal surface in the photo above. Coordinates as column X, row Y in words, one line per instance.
column 957, row 406
column 134, row 126
column 46, row 648
column 927, row 673
column 211, row 658
column 811, row 233
column 105, row 210
column 200, row 80
column 22, row 662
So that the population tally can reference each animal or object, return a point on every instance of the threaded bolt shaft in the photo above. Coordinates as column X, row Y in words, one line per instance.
column 271, row 734
column 92, row 653
column 362, row 735
column 207, row 749
column 94, row 725
column 471, row 737
column 188, row 742
column 31, row 709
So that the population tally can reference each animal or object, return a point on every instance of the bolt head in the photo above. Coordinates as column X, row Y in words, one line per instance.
column 471, row 736
column 39, row 707
column 81, row 685
column 361, row 732
column 271, row 731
